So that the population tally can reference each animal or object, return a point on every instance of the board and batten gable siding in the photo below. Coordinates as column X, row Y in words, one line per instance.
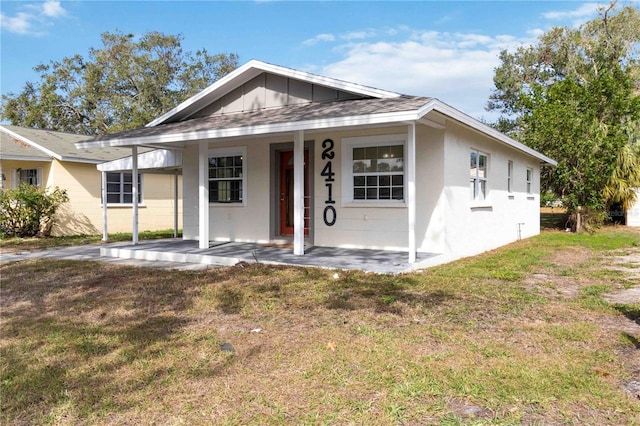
column 271, row 91
column 476, row 226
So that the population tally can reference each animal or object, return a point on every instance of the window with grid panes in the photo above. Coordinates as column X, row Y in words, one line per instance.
column 226, row 179
column 378, row 172
column 28, row 176
column 478, row 175
column 120, row 188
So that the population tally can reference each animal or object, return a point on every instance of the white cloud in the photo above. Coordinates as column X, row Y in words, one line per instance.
column 53, row 9
column 37, row 15
column 19, row 24
column 319, row 38
column 586, row 10
column 575, row 17
column 456, row 68
column 358, row 35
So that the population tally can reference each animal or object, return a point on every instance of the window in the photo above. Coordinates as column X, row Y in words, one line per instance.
column 478, row 175
column 226, row 176
column 510, row 176
column 529, row 179
column 28, row 176
column 374, row 168
column 120, row 188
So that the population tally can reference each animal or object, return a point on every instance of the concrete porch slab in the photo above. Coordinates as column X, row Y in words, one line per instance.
column 182, row 251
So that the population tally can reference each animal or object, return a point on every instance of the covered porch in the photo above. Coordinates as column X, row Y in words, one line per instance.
column 231, row 253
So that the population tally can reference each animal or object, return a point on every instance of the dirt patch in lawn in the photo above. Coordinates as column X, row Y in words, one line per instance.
column 92, row 343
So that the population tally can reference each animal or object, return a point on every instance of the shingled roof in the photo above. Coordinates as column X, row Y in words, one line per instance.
column 271, row 116
column 23, row 143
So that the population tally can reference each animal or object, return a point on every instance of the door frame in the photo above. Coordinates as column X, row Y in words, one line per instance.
column 274, row 185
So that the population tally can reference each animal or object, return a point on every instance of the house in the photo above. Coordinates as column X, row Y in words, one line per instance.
column 47, row 158
column 272, row 154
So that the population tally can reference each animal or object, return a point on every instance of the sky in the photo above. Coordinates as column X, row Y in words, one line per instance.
column 442, row 49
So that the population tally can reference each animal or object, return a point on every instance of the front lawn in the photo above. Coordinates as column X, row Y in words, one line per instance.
column 520, row 335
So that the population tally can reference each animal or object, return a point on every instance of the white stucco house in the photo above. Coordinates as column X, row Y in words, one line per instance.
column 272, row 154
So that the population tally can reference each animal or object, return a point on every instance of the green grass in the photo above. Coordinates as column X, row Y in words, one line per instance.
column 473, row 342
column 13, row 244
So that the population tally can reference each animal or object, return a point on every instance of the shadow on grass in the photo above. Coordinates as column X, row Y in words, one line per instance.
column 629, row 311
column 78, row 334
column 553, row 221
column 382, row 293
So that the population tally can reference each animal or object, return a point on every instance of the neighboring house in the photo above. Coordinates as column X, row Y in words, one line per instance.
column 272, row 154
column 48, row 159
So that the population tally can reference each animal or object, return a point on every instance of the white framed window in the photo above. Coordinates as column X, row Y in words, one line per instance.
column 529, row 180
column 373, row 169
column 227, row 176
column 120, row 188
column 510, row 176
column 478, row 166
column 29, row 176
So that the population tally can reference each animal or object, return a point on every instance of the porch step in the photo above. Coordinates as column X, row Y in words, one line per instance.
column 167, row 256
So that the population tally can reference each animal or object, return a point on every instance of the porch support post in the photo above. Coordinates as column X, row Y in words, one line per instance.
column 105, row 235
column 175, row 204
column 134, row 191
column 203, row 195
column 411, row 190
column 298, row 193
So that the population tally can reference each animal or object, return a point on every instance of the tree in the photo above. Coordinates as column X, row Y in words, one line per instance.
column 122, row 85
column 575, row 97
column 29, row 211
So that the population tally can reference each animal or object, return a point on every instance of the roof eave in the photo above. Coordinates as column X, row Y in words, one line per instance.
column 25, row 158
column 307, row 125
column 436, row 105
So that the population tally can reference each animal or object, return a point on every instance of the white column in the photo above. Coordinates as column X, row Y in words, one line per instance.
column 175, row 204
column 298, row 193
column 134, row 191
column 203, row 195
column 411, row 190
column 105, row 235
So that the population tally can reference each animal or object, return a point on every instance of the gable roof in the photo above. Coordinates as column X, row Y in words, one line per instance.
column 373, row 107
column 252, row 69
column 23, row 143
column 14, row 149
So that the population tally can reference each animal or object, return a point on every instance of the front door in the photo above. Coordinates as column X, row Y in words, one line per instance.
column 286, row 193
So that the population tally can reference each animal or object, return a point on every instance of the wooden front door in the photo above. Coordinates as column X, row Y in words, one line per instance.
column 286, row 193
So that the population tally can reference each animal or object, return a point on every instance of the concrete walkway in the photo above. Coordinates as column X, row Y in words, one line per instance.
column 185, row 255
column 92, row 252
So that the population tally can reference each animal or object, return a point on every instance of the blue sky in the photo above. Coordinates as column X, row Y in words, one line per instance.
column 443, row 49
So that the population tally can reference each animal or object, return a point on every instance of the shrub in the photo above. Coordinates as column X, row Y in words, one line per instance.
column 28, row 211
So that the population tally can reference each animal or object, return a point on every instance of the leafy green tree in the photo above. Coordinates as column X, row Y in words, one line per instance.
column 575, row 97
column 124, row 84
column 29, row 211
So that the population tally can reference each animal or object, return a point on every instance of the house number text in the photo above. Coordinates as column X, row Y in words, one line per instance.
column 329, row 214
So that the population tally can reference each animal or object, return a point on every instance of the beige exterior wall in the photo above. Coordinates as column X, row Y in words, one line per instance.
column 83, row 213
column 6, row 167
